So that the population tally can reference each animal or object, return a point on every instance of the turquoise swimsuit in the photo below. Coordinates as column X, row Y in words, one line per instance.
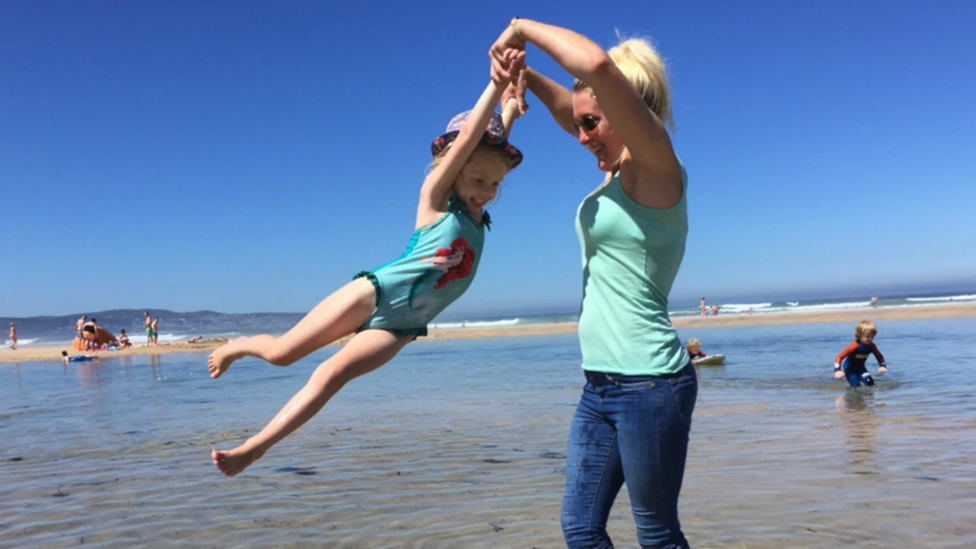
column 437, row 268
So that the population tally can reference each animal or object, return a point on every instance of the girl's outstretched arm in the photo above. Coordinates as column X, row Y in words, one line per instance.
column 437, row 187
column 510, row 112
column 513, row 103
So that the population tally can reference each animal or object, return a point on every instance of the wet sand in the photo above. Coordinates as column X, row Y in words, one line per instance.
column 53, row 354
column 462, row 444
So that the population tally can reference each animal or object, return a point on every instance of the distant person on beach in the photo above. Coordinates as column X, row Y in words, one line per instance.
column 874, row 302
column 13, row 336
column 80, row 328
column 704, row 311
column 634, row 416
column 851, row 361
column 147, row 323
column 90, row 330
column 124, row 342
column 715, row 309
column 154, row 326
column 389, row 307
column 694, row 349
column 78, row 358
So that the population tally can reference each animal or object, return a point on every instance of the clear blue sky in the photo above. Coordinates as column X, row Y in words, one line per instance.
column 249, row 156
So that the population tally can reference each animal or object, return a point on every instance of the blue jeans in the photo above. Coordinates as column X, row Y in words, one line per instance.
column 631, row 429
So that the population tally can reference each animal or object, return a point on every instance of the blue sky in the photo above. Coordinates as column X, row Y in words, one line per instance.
column 252, row 156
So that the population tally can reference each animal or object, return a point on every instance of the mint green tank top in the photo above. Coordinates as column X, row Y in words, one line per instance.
column 631, row 255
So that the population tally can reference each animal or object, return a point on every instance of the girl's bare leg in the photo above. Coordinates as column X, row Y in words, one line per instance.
column 364, row 353
column 336, row 316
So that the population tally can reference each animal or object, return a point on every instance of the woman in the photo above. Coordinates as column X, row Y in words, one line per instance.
column 90, row 329
column 634, row 416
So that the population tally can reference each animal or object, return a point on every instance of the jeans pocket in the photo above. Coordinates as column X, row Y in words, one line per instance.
column 684, row 390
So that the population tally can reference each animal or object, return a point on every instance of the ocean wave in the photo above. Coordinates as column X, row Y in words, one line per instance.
column 769, row 308
column 21, row 342
column 830, row 306
column 171, row 338
column 968, row 297
column 140, row 337
column 743, row 307
column 474, row 324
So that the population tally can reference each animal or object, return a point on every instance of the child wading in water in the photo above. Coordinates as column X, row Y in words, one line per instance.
column 392, row 305
column 851, row 361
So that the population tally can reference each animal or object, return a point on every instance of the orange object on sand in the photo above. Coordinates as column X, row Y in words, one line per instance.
column 103, row 337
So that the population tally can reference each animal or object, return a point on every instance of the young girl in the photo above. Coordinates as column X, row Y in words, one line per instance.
column 392, row 305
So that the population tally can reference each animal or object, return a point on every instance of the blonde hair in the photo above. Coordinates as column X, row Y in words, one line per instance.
column 865, row 328
column 647, row 71
column 693, row 342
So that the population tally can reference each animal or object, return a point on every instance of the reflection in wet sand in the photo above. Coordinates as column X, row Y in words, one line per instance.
column 462, row 444
column 860, row 426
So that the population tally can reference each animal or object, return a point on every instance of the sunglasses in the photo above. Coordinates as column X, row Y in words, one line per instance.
column 586, row 123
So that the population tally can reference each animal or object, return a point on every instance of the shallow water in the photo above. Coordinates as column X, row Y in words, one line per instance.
column 461, row 444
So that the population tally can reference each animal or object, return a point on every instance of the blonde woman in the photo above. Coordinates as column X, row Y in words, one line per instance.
column 634, row 416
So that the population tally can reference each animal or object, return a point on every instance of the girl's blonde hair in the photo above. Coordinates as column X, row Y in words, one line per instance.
column 647, row 71
column 694, row 342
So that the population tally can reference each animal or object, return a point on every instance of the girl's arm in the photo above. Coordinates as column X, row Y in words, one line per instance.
column 639, row 128
column 437, row 187
column 513, row 102
column 510, row 113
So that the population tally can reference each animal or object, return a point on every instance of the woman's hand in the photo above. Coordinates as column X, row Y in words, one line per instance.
column 513, row 61
column 499, row 53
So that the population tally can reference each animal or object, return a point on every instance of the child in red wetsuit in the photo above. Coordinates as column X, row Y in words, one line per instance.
column 851, row 361
column 694, row 349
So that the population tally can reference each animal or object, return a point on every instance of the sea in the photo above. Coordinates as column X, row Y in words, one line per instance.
column 461, row 444
column 174, row 327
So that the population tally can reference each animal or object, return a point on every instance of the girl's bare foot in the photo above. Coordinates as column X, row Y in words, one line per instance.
column 224, row 356
column 236, row 460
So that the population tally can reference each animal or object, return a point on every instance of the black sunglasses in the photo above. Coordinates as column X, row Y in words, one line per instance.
column 586, row 123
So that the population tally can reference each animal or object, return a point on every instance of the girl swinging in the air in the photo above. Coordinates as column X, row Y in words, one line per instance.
column 391, row 306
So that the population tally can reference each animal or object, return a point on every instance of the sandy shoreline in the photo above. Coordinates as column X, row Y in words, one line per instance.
column 53, row 354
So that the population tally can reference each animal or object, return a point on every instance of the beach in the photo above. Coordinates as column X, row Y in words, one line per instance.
column 462, row 444
column 920, row 312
